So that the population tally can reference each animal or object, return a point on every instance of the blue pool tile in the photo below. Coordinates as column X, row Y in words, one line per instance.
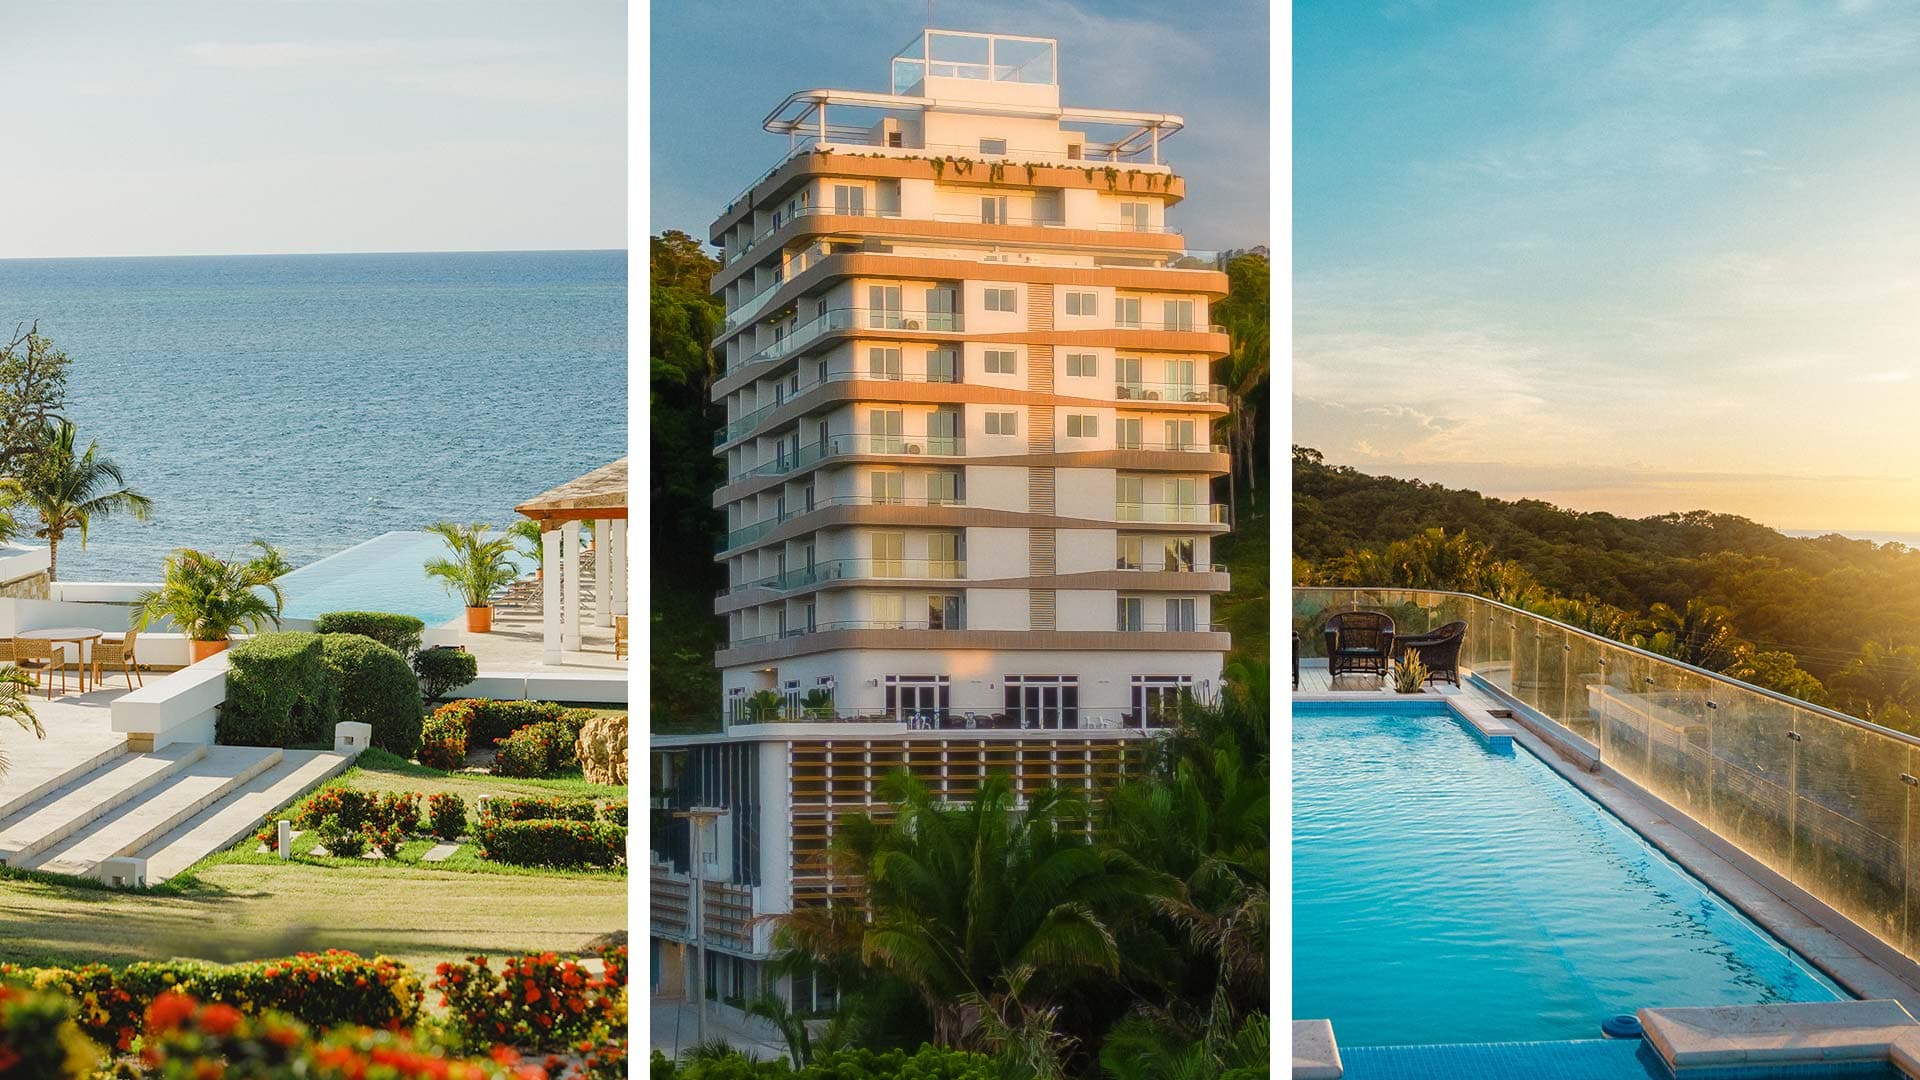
column 1599, row 1059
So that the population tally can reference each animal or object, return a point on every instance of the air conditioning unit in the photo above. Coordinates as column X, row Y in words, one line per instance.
column 1152, row 395
column 913, row 324
column 913, row 448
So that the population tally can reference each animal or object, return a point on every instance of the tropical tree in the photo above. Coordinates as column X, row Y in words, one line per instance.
column 526, row 532
column 17, row 705
column 1244, row 372
column 480, row 565
column 1138, row 1049
column 33, row 390
column 1697, row 633
column 208, row 598
column 1882, row 684
column 70, row 489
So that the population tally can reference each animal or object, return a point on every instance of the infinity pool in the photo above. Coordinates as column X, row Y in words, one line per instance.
column 1444, row 892
column 387, row 573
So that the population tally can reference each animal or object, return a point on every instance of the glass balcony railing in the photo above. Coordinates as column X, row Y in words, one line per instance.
column 858, row 570
column 1822, row 798
column 1188, row 446
column 1056, row 719
column 846, row 445
column 1177, row 627
column 1172, row 513
column 1185, row 326
column 848, row 318
column 1170, row 391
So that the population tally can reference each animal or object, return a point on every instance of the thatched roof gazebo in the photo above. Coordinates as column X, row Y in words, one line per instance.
column 600, row 497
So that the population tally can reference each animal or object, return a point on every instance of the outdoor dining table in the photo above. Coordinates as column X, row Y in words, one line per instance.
column 77, row 636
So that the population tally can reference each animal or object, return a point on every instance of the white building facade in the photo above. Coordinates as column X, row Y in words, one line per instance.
column 969, row 461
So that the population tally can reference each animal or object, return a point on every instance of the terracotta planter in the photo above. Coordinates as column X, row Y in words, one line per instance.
column 203, row 649
column 479, row 620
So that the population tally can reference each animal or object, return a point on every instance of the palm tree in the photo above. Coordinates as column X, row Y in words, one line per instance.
column 527, row 532
column 16, row 704
column 208, row 598
column 1245, row 370
column 1699, row 633
column 70, row 489
column 984, row 909
column 481, row 566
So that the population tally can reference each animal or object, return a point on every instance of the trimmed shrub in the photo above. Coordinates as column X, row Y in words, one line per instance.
column 551, row 842
column 602, row 749
column 401, row 633
column 442, row 671
column 342, row 842
column 279, row 692
column 351, row 807
column 542, row 749
column 443, row 740
column 615, row 811
column 395, row 810
column 375, row 687
column 538, row 1001
column 448, row 815
column 535, row 807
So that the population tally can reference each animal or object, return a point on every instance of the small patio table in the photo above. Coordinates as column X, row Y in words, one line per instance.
column 77, row 636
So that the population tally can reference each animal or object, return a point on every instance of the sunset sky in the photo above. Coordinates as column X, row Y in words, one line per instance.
column 1636, row 257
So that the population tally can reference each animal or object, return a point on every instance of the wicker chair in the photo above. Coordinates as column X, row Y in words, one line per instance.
column 40, row 660
column 117, row 653
column 1438, row 650
column 1359, row 642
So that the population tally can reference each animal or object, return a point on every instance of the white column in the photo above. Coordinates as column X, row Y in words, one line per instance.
column 550, row 596
column 570, row 587
column 617, row 553
column 603, row 573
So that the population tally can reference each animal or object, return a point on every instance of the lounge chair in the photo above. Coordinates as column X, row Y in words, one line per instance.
column 1438, row 649
column 1359, row 642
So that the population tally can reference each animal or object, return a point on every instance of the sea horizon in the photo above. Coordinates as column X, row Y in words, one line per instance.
column 317, row 400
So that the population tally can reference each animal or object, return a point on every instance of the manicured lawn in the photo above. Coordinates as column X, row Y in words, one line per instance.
column 381, row 771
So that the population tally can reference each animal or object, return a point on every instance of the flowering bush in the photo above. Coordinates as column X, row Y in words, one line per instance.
column 615, row 811
column 443, row 738
column 534, row 807
column 38, row 1036
column 351, row 807
column 486, row 722
column 542, row 749
column 538, row 1001
column 447, row 813
column 396, row 810
column 551, row 842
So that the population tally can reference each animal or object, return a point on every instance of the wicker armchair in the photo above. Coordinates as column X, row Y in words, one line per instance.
column 1359, row 642
column 1438, row 649
column 117, row 653
column 40, row 659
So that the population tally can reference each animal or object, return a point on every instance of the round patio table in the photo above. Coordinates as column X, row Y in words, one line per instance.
column 77, row 636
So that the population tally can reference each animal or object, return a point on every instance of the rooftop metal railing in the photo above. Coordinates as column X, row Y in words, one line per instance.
column 1829, row 801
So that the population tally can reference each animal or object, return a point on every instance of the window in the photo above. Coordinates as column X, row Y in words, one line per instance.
column 1135, row 216
column 820, row 371
column 820, row 308
column 943, row 308
column 1126, row 312
column 849, row 199
column 884, row 364
column 1177, row 553
column 1002, row 362
column 889, row 487
column 888, row 612
column 993, row 146
column 993, row 210
column 943, row 488
column 943, row 431
column 1073, row 151
column 1003, row 423
column 1180, row 614
column 1130, row 613
column 1176, row 314
column 943, row 365
column 1084, row 365
column 889, row 549
column 1126, row 433
column 1156, row 698
column 1000, row 300
column 1179, row 434
column 1129, row 493
column 1043, row 701
column 1083, row 303
column 883, row 307
column 1083, row 426
column 944, row 554
column 1179, row 374
column 1129, row 552
column 917, row 700
column 883, row 431
column 894, row 140
column 944, row 612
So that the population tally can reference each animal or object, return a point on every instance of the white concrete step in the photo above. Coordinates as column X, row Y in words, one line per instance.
column 29, row 781
column 236, row 816
column 66, row 810
column 143, row 820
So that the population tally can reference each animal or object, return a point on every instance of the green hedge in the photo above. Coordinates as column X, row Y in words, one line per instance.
column 401, row 633
column 926, row 1063
column 537, row 750
column 443, row 740
column 375, row 687
column 442, row 671
column 534, row 807
column 279, row 692
column 551, row 842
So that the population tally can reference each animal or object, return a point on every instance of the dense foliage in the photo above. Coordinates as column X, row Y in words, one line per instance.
column 375, row 686
column 401, row 633
column 208, row 598
column 551, row 842
column 542, row 749
column 538, row 1001
column 279, row 692
column 443, row 671
column 1828, row 619
column 926, row 1063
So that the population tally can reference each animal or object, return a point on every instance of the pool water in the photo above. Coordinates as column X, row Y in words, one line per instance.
column 387, row 573
column 1445, row 892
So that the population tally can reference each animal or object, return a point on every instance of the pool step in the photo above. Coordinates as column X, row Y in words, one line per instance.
column 70, row 808
column 139, row 822
column 234, row 817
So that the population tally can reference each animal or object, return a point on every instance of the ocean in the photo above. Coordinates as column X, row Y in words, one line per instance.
column 317, row 401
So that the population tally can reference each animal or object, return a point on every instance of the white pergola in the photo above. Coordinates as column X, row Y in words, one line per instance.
column 600, row 497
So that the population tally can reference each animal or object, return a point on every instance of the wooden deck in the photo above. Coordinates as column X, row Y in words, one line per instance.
column 1315, row 680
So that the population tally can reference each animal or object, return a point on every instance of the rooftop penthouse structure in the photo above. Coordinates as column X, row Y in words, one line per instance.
column 969, row 469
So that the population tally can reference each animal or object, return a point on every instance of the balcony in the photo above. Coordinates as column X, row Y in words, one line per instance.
column 1184, row 627
column 1077, row 719
column 1183, row 326
column 746, row 534
column 849, row 445
column 1172, row 513
column 1182, row 392
column 848, row 318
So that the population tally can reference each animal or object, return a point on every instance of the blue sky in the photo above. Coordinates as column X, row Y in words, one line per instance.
column 222, row 127
column 1629, row 256
column 719, row 68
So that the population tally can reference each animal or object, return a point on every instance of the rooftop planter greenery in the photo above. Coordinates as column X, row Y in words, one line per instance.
column 480, row 566
column 208, row 598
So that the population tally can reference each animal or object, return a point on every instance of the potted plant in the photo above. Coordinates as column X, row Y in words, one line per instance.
column 481, row 566
column 1409, row 674
column 764, row 707
column 527, row 532
column 209, row 598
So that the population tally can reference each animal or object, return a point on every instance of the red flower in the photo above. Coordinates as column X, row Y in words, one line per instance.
column 169, row 1011
column 219, row 1019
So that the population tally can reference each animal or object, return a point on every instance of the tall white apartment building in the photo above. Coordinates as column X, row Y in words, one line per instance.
column 969, row 461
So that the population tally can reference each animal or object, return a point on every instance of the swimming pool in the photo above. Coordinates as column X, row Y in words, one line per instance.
column 1445, row 892
column 387, row 573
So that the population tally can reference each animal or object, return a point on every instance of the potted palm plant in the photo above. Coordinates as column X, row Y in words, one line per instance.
column 209, row 598
column 480, row 566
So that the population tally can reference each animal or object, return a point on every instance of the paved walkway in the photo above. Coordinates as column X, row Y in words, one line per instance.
column 78, row 729
column 515, row 644
column 674, row 1027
